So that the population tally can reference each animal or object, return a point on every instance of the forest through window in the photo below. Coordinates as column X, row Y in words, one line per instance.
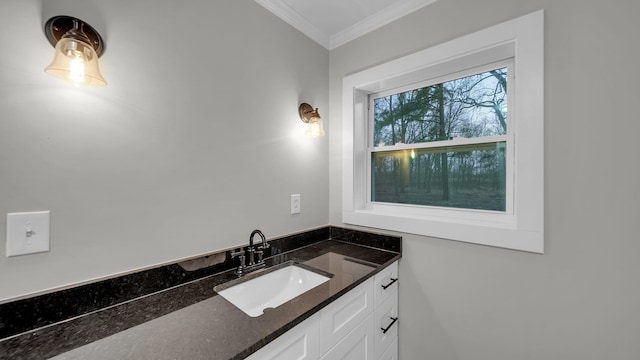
column 443, row 144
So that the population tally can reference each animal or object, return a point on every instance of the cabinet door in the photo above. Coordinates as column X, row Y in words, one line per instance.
column 386, row 323
column 357, row 345
column 299, row 343
column 386, row 283
column 344, row 314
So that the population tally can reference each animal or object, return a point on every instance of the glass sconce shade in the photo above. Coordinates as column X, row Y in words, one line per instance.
column 75, row 56
column 311, row 117
column 314, row 128
column 76, row 61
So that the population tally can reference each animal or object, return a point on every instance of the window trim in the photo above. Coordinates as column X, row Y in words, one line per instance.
column 523, row 229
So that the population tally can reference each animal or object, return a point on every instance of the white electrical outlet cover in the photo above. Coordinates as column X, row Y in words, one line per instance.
column 295, row 204
column 27, row 233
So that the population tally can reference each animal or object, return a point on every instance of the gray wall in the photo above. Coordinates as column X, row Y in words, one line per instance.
column 172, row 161
column 580, row 300
column 194, row 142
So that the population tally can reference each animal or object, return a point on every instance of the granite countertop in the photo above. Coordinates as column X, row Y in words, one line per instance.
column 190, row 321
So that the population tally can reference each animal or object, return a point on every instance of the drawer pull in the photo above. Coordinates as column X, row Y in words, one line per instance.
column 384, row 287
column 384, row 330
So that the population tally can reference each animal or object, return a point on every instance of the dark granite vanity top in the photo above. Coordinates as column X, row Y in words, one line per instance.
column 173, row 312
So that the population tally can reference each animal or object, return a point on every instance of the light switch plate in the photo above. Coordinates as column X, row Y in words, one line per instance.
column 27, row 233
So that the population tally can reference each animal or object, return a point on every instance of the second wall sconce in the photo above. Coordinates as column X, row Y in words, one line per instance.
column 78, row 46
column 312, row 118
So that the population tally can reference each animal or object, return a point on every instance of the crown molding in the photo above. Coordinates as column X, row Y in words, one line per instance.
column 376, row 21
column 290, row 16
column 366, row 25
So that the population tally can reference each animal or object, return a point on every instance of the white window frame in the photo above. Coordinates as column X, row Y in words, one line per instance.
column 521, row 227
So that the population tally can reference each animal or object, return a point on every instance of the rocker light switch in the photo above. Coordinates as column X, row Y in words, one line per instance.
column 27, row 233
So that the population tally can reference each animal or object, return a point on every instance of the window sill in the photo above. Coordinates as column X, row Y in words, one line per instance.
column 492, row 233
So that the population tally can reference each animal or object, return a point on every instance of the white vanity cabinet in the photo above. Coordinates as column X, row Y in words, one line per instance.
column 360, row 325
column 300, row 343
column 342, row 316
column 386, row 283
column 386, row 313
column 375, row 338
column 391, row 353
column 357, row 345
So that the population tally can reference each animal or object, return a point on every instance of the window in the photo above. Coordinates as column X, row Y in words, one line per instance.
column 442, row 143
column 448, row 142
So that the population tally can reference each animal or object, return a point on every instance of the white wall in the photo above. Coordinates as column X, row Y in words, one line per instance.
column 580, row 300
column 194, row 142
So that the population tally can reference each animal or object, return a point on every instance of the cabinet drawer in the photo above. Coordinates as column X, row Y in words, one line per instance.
column 392, row 352
column 386, row 283
column 299, row 343
column 386, row 324
column 343, row 315
column 357, row 345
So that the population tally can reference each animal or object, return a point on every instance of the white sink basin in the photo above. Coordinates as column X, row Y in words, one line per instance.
column 271, row 289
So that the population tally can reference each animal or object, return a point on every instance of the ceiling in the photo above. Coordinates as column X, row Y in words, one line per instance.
column 332, row 23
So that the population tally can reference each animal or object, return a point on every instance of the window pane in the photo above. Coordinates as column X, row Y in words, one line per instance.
column 469, row 107
column 473, row 176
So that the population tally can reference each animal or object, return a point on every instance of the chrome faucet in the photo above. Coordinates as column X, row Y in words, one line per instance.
column 252, row 265
column 260, row 250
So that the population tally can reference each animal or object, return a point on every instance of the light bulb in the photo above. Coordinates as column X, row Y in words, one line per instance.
column 77, row 70
column 314, row 129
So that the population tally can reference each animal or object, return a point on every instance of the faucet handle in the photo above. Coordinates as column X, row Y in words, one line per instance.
column 240, row 254
column 261, row 250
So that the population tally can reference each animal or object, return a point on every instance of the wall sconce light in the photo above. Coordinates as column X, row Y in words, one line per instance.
column 312, row 118
column 78, row 46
